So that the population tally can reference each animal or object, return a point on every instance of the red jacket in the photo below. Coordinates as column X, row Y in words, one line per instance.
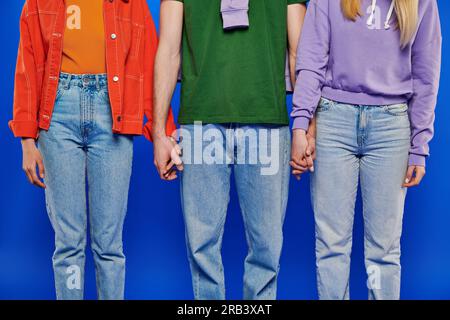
column 131, row 43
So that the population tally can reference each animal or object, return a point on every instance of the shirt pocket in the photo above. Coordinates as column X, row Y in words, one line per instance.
column 131, row 35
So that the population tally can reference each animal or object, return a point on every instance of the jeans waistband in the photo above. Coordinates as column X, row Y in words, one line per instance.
column 100, row 81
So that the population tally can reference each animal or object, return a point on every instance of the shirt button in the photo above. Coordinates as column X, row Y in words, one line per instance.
column 113, row 36
column 119, row 118
column 116, row 79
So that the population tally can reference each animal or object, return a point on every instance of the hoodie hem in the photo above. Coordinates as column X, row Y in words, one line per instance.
column 360, row 98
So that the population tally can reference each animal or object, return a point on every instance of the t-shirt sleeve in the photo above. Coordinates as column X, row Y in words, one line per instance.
column 296, row 1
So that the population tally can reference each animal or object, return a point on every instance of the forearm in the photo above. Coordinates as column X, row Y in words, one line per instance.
column 296, row 17
column 166, row 75
column 311, row 66
column 167, row 63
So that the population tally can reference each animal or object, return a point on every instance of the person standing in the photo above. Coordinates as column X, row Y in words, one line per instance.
column 234, row 91
column 368, row 78
column 84, row 80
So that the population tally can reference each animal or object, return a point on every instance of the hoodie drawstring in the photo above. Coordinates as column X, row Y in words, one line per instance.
column 372, row 13
column 388, row 17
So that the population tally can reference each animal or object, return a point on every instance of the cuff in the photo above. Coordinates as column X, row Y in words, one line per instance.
column 170, row 127
column 236, row 19
column 301, row 123
column 24, row 129
column 417, row 160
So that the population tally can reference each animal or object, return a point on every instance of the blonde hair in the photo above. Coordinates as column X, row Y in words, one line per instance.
column 407, row 12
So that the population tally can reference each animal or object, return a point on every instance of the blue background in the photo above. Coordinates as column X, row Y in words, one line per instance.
column 157, row 266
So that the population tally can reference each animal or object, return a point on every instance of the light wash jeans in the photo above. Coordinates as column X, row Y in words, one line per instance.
column 262, row 195
column 366, row 145
column 80, row 147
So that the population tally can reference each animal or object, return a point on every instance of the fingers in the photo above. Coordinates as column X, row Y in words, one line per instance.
column 312, row 151
column 414, row 176
column 30, row 180
column 309, row 161
column 299, row 167
column 409, row 174
column 175, row 155
column 30, row 171
column 41, row 168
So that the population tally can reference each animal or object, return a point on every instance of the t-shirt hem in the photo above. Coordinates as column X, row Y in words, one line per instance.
column 245, row 120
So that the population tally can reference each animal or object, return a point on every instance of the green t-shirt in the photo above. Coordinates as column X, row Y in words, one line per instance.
column 234, row 76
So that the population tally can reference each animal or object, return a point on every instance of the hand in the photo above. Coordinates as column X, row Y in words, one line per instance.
column 167, row 154
column 32, row 158
column 311, row 149
column 301, row 153
column 414, row 176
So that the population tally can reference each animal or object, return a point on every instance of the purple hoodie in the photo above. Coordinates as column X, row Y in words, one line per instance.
column 234, row 14
column 362, row 63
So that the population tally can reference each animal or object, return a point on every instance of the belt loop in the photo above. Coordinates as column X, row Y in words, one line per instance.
column 97, row 82
column 69, row 78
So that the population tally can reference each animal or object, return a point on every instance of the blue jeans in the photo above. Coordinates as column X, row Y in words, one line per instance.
column 366, row 146
column 80, row 147
column 262, row 187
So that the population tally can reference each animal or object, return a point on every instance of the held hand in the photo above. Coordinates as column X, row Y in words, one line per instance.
column 414, row 176
column 167, row 155
column 32, row 158
column 301, row 154
column 311, row 149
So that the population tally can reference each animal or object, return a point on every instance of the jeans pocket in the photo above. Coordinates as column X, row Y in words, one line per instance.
column 324, row 105
column 59, row 93
column 400, row 109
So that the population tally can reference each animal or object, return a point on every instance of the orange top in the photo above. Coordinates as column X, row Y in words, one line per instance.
column 84, row 38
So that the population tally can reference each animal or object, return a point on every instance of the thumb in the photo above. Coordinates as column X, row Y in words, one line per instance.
column 41, row 168
column 309, row 150
column 176, row 158
column 409, row 174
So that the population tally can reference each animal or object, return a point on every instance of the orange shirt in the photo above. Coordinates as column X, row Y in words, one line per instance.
column 84, row 49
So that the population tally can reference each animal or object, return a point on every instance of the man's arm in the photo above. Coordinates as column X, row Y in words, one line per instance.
column 167, row 62
column 296, row 17
column 167, row 65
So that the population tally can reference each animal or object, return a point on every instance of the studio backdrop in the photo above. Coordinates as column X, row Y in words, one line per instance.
column 157, row 266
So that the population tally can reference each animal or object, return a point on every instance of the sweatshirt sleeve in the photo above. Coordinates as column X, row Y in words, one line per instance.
column 234, row 14
column 312, row 63
column 426, row 65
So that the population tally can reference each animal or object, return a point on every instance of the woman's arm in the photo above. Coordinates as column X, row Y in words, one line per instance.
column 311, row 66
column 312, row 63
column 426, row 65
column 26, row 105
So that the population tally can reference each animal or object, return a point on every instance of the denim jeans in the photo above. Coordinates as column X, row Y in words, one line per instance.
column 366, row 146
column 263, row 194
column 80, row 147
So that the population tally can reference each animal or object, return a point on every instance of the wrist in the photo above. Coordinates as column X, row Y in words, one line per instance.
column 158, row 134
column 299, row 132
column 27, row 141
